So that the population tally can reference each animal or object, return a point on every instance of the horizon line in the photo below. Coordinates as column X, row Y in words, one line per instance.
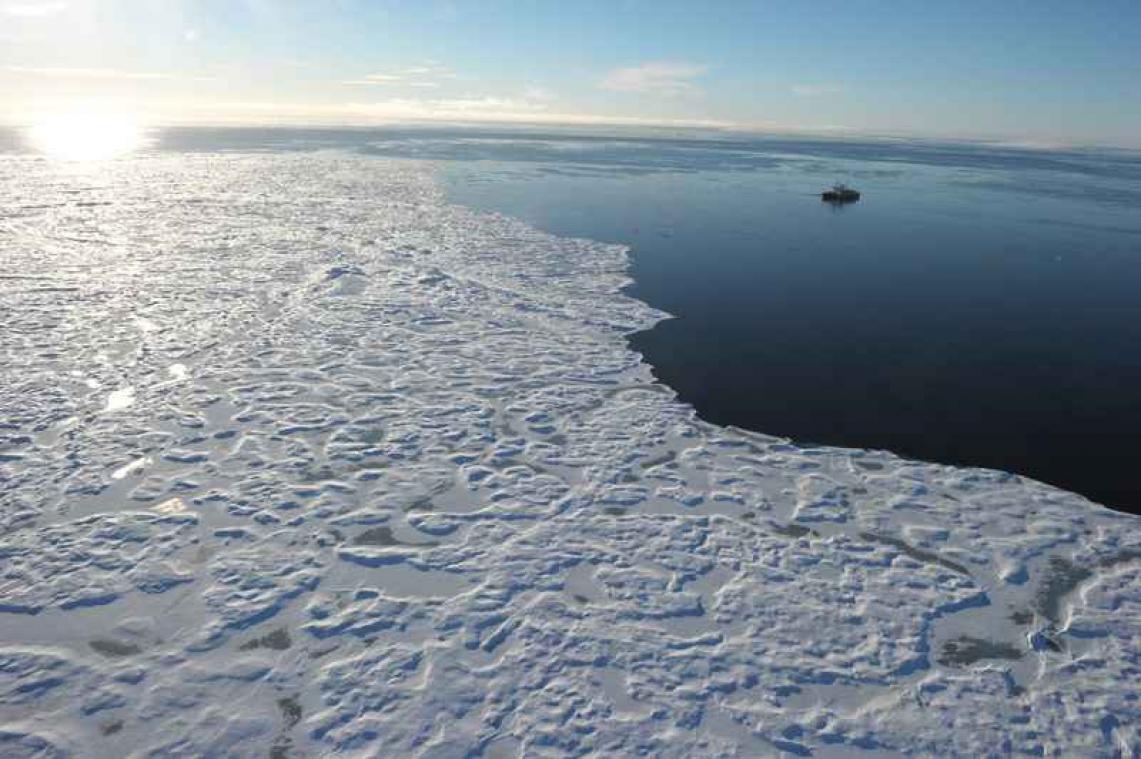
column 828, row 133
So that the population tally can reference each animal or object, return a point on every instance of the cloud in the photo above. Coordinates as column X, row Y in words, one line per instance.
column 478, row 109
column 813, row 90
column 424, row 76
column 34, row 9
column 107, row 74
column 449, row 109
column 663, row 78
column 537, row 93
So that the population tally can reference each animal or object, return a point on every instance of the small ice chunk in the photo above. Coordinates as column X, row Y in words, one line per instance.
column 134, row 466
column 120, row 399
column 171, row 506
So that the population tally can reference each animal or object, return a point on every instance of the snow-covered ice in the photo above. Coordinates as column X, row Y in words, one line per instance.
column 296, row 458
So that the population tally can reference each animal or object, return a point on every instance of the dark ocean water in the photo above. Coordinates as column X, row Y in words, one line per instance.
column 980, row 305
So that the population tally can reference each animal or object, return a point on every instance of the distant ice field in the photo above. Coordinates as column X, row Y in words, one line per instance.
column 299, row 459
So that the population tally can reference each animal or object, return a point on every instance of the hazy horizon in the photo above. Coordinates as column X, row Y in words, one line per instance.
column 1042, row 75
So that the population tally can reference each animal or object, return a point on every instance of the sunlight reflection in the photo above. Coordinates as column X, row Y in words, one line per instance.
column 86, row 136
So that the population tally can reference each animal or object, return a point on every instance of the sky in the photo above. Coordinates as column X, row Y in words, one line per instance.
column 1040, row 73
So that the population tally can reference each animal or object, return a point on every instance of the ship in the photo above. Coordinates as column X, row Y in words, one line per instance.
column 840, row 193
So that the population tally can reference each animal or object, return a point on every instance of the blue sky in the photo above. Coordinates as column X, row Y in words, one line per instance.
column 1037, row 72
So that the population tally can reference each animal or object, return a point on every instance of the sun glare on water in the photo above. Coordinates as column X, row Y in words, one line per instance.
column 86, row 136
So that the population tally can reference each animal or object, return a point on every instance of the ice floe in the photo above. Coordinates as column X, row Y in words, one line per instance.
column 381, row 477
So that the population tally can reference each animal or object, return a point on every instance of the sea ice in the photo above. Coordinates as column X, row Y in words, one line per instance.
column 382, row 477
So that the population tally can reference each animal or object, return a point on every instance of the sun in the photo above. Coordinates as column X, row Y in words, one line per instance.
column 86, row 136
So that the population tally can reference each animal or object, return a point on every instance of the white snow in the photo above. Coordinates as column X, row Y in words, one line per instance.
column 120, row 399
column 383, row 478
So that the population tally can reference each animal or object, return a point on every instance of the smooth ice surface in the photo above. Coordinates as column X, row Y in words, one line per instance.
column 297, row 458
